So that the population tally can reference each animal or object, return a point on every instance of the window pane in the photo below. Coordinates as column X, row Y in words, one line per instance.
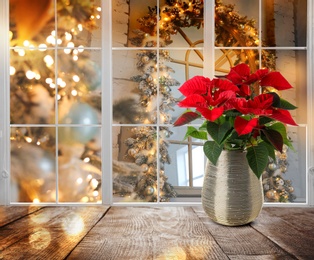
column 33, row 164
column 134, row 164
column 181, row 24
column 236, row 23
column 135, row 85
column 186, row 164
column 31, row 22
column 142, row 23
column 79, row 79
column 79, row 24
column 227, row 58
column 79, row 164
column 284, row 23
column 32, row 86
column 199, row 161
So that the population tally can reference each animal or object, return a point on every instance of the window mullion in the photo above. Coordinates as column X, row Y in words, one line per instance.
column 310, row 99
column 209, row 38
column 106, row 132
column 4, row 96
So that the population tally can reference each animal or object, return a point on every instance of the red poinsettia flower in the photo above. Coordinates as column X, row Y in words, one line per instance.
column 209, row 98
column 240, row 113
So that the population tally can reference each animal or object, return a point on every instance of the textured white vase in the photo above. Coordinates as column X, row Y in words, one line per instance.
column 232, row 195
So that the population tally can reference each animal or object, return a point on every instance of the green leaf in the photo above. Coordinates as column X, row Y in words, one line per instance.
column 271, row 151
column 219, row 132
column 264, row 120
column 273, row 137
column 257, row 157
column 284, row 104
column 193, row 132
column 203, row 127
column 212, row 151
column 281, row 128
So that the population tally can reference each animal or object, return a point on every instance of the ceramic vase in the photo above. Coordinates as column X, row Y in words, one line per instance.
column 231, row 195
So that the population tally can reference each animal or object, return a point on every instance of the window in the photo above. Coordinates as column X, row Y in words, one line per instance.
column 89, row 106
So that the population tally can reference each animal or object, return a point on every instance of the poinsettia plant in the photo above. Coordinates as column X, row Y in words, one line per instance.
column 242, row 111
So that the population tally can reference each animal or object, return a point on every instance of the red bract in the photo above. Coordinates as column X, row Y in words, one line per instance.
column 211, row 114
column 243, row 126
column 196, row 85
column 239, row 74
column 260, row 105
column 283, row 116
column 209, row 103
column 193, row 100
column 276, row 80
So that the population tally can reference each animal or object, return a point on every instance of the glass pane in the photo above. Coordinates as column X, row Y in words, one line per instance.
column 79, row 84
column 185, row 166
column 227, row 58
column 284, row 180
column 198, row 165
column 33, row 164
column 142, row 21
column 120, row 23
column 79, row 23
column 236, row 23
column 32, row 91
column 135, row 86
column 292, row 65
column 31, row 22
column 134, row 164
column 181, row 23
column 178, row 67
column 284, row 23
column 79, row 164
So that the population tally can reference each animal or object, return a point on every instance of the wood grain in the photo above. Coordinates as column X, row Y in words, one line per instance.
column 10, row 213
column 136, row 233
column 149, row 233
column 241, row 241
column 290, row 228
column 49, row 233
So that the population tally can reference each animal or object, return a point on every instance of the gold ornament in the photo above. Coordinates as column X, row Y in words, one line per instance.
column 149, row 190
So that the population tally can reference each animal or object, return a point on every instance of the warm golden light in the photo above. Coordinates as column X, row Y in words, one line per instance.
column 48, row 60
column 73, row 224
column 12, row 70
column 36, row 200
column 40, row 238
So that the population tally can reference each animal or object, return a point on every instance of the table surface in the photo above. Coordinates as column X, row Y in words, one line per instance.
column 100, row 232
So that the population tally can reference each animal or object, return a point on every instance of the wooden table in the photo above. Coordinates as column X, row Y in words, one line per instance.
column 99, row 232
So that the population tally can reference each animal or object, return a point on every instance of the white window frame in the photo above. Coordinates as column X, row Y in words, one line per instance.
column 107, row 196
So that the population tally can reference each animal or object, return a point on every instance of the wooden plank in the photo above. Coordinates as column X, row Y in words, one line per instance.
column 302, row 218
column 294, row 233
column 148, row 233
column 50, row 233
column 11, row 213
column 241, row 241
